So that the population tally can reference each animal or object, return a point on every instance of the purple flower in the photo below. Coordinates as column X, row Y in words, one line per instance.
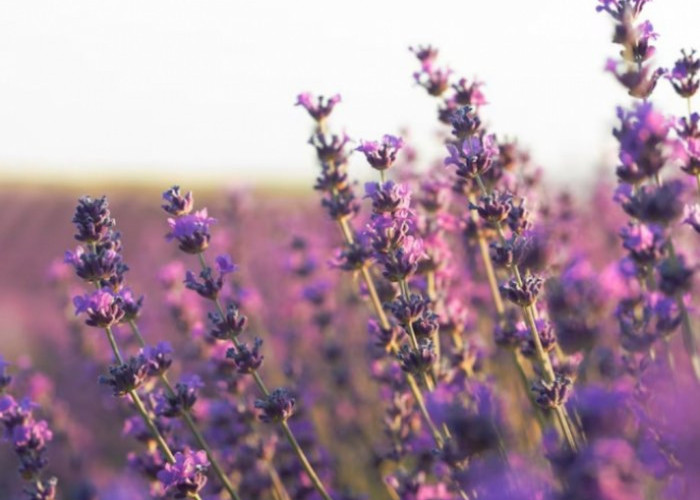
column 435, row 80
column 127, row 377
column 225, row 265
column 92, row 219
column 691, row 216
column 182, row 400
column 388, row 197
column 247, row 360
column 96, row 267
column 552, row 394
column 684, row 75
column 644, row 243
column 159, row 358
column 381, row 155
column 618, row 8
column 278, row 406
column 232, row 324
column 187, row 475
column 473, row 155
column 318, row 107
column 130, row 304
column 176, row 204
column 644, row 144
column 426, row 54
column 404, row 262
column 191, row 231
column 417, row 361
column 523, row 294
column 468, row 94
column 103, row 308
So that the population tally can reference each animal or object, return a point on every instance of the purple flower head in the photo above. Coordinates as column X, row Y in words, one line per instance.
column 352, row 257
column 417, row 361
column 388, row 197
column 469, row 94
column 318, row 107
column 130, row 304
column 103, row 308
column 619, row 8
column 404, row 262
column 384, row 338
column 183, row 398
column 159, row 358
column 191, row 231
column 545, row 333
column 691, row 216
column 644, row 242
column 523, row 294
column 684, row 75
column 552, row 394
column 644, row 143
column 247, row 360
column 465, row 122
column 435, row 80
column 232, row 324
column 225, row 265
column 96, row 267
column 128, row 376
column 640, row 82
column 187, row 476
column 92, row 219
column 474, row 155
column 495, row 207
column 278, row 406
column 407, row 311
column 206, row 285
column 381, row 155
column 675, row 276
column 176, row 204
column 426, row 54
column 653, row 204
column 330, row 148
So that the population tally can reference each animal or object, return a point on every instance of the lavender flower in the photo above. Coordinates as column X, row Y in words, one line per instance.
column 381, row 155
column 127, row 377
column 684, row 75
column 92, row 219
column 177, row 204
column 691, row 216
column 191, row 231
column 247, row 360
column 278, row 406
column 472, row 156
column 187, row 476
column 102, row 307
column 318, row 107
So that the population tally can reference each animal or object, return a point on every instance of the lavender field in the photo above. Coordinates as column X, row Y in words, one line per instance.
column 457, row 327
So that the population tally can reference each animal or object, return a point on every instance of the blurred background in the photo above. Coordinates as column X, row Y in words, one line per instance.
column 180, row 91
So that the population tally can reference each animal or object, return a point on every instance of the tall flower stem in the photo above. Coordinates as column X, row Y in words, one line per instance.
column 141, row 408
column 386, row 325
column 263, row 388
column 530, row 314
column 187, row 417
column 689, row 341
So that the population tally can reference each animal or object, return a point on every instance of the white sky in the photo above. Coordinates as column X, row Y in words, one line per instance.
column 194, row 90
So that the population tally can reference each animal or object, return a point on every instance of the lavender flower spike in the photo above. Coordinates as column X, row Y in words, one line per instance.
column 191, row 231
column 381, row 155
column 187, row 475
column 318, row 107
